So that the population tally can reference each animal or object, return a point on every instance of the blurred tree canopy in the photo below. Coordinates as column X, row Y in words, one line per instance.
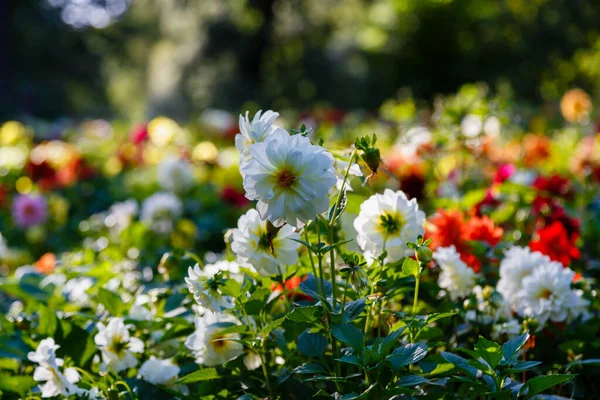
column 176, row 57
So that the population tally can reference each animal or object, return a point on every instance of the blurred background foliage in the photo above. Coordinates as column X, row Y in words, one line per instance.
column 136, row 59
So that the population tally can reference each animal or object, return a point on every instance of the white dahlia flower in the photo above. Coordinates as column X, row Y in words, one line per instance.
column 158, row 372
column 255, row 131
column 175, row 175
column 546, row 294
column 48, row 371
column 204, row 284
column 117, row 345
column 210, row 347
column 160, row 210
column 391, row 218
column 518, row 263
column 266, row 251
column 456, row 277
column 290, row 178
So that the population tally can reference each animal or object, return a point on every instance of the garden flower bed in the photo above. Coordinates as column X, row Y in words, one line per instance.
column 444, row 253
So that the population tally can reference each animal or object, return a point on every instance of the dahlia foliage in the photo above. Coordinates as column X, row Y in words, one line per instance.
column 450, row 258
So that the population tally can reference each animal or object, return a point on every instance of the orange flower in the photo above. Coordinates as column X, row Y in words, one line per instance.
column 447, row 228
column 576, row 106
column 46, row 263
column 535, row 149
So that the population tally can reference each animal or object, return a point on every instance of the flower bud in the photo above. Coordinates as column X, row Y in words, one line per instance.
column 372, row 158
column 424, row 254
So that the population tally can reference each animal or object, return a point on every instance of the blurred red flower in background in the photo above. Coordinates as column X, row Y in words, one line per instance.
column 555, row 242
column 290, row 286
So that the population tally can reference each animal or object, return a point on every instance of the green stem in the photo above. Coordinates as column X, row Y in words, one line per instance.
column 312, row 262
column 339, row 198
column 320, row 259
column 345, row 291
column 263, row 361
column 332, row 266
column 414, row 310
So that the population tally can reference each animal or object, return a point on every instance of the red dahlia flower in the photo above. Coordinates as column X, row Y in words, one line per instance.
column 554, row 241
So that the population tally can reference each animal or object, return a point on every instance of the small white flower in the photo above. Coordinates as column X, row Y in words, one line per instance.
column 255, row 131
column 518, row 263
column 121, row 214
column 175, row 175
column 456, row 277
column 48, row 371
column 546, row 294
column 408, row 145
column 471, row 125
column 252, row 244
column 210, row 347
column 159, row 372
column 160, row 210
column 75, row 290
column 117, row 345
column 139, row 311
column 204, row 284
column 289, row 177
column 3, row 247
column 511, row 329
column 391, row 218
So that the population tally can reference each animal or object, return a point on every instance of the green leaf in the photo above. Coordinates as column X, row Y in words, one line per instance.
column 16, row 384
column 388, row 342
column 489, row 351
column 540, row 383
column 312, row 344
column 510, row 348
column 341, row 207
column 437, row 316
column 111, row 301
column 272, row 325
column 305, row 314
column 350, row 359
column 460, row 363
column 408, row 354
column 411, row 267
column 231, row 288
column 256, row 302
column 349, row 335
column 522, row 366
column 311, row 368
column 353, row 310
column 412, row 380
column 205, row 374
column 48, row 321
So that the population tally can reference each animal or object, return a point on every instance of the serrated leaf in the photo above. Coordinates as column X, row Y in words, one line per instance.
column 305, row 314
column 349, row 335
column 205, row 374
column 490, row 351
column 353, row 310
column 312, row 344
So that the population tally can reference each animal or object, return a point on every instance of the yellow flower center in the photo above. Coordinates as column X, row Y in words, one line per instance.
column 218, row 342
column 391, row 224
column 117, row 346
column 285, row 179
